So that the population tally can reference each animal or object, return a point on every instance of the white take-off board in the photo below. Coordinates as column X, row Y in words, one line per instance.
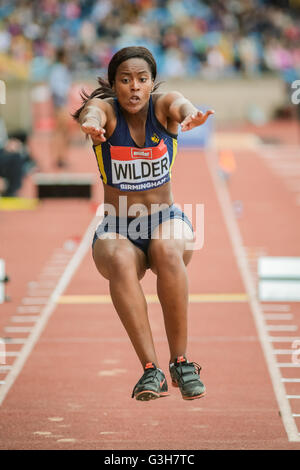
column 279, row 278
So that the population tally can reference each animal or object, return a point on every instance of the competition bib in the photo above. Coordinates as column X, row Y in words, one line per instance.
column 136, row 168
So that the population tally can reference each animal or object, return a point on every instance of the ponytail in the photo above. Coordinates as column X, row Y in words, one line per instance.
column 102, row 92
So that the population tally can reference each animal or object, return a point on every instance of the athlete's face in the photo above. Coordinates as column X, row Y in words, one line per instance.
column 133, row 84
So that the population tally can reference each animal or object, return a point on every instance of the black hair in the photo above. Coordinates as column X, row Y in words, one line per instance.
column 105, row 89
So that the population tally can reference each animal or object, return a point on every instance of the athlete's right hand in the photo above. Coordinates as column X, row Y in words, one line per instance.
column 90, row 127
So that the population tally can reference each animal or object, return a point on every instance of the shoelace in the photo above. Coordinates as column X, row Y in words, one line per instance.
column 196, row 366
column 147, row 376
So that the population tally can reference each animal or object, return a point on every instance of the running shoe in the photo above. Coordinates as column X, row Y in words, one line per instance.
column 186, row 376
column 152, row 384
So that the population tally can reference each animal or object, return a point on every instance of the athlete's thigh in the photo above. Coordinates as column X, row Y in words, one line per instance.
column 173, row 234
column 113, row 249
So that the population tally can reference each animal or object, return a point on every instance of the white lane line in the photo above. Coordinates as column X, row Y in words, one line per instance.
column 281, row 327
column 278, row 316
column 28, row 309
column 290, row 380
column 291, row 397
column 27, row 319
column 283, row 351
column 39, row 293
column 50, row 275
column 287, row 364
column 60, row 258
column 52, row 269
column 14, row 340
column 35, row 301
column 17, row 329
column 241, row 259
column 61, row 253
column 48, row 308
column 283, row 339
column 49, row 284
column 275, row 308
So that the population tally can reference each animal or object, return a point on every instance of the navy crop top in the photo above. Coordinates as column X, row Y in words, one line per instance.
column 128, row 167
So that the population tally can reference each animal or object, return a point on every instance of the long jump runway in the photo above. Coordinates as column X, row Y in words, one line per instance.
column 70, row 368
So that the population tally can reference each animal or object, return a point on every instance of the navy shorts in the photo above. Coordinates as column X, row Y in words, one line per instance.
column 139, row 230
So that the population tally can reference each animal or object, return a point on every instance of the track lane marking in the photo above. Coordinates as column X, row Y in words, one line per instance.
column 278, row 316
column 48, row 309
column 152, row 298
column 257, row 311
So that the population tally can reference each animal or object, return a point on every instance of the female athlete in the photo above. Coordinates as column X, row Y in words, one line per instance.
column 134, row 133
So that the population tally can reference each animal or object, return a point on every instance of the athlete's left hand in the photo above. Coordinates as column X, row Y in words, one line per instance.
column 194, row 120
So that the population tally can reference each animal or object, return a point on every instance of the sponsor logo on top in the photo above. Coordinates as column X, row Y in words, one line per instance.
column 145, row 153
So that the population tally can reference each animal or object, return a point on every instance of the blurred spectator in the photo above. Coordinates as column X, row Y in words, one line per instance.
column 60, row 81
column 192, row 37
column 15, row 164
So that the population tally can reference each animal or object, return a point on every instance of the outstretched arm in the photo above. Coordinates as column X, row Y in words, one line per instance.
column 181, row 110
column 93, row 118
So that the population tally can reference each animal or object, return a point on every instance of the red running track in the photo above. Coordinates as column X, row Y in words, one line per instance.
column 70, row 369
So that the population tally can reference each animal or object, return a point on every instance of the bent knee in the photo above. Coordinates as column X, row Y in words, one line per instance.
column 117, row 262
column 114, row 262
column 166, row 254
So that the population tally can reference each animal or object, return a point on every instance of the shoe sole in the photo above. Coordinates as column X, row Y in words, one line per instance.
column 192, row 397
column 147, row 395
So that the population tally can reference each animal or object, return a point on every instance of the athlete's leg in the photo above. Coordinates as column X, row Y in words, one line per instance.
column 168, row 257
column 123, row 264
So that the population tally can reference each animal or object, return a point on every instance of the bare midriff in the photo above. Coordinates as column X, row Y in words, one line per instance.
column 137, row 203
